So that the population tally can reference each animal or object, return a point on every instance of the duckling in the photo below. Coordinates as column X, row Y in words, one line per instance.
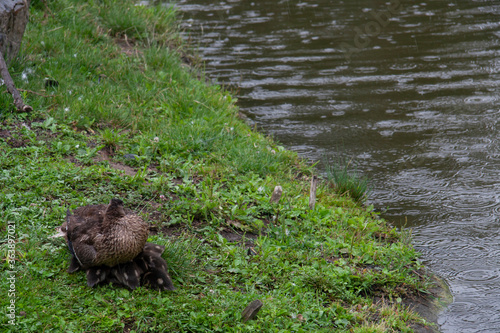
column 97, row 274
column 104, row 235
column 157, row 276
column 155, row 268
column 148, row 269
column 127, row 274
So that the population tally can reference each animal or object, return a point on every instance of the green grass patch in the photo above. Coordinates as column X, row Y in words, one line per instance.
column 129, row 119
column 344, row 178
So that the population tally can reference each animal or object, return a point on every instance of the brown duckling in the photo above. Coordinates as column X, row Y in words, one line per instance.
column 104, row 235
column 155, row 268
column 148, row 269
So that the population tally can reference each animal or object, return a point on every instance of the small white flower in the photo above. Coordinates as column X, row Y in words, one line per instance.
column 77, row 146
column 42, row 42
column 156, row 139
column 74, row 55
column 66, row 109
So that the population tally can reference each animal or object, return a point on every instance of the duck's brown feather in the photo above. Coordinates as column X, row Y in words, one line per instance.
column 105, row 235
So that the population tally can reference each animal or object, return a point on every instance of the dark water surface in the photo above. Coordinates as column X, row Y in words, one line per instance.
column 410, row 89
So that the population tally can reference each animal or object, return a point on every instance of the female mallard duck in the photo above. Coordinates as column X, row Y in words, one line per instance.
column 110, row 245
column 119, row 238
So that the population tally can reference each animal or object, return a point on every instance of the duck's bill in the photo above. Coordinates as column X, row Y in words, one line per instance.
column 60, row 233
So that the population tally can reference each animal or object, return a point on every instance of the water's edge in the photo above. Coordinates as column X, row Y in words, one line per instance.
column 431, row 305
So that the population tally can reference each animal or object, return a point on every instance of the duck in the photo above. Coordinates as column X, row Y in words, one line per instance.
column 110, row 245
column 104, row 236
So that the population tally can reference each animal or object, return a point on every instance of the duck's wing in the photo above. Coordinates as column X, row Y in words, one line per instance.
column 91, row 211
column 81, row 232
column 84, row 253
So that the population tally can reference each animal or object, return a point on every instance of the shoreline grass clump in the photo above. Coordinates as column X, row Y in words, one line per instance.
column 130, row 119
column 345, row 179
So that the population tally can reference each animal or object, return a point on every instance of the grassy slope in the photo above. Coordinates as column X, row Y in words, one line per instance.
column 337, row 268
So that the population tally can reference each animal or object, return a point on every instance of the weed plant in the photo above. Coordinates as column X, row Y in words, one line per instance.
column 200, row 177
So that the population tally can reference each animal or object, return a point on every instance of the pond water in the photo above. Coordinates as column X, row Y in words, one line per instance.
column 408, row 89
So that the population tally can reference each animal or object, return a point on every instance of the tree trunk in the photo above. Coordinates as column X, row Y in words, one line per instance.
column 13, row 21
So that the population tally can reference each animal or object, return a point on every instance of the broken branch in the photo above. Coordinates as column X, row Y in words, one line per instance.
column 11, row 88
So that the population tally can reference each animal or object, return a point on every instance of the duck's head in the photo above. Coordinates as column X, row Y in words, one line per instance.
column 115, row 210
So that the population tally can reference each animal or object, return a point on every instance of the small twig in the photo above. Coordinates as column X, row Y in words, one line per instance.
column 414, row 271
column 36, row 93
column 9, row 83
column 47, row 7
column 51, row 30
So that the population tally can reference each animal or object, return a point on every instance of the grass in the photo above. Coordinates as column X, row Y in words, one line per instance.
column 130, row 119
column 345, row 179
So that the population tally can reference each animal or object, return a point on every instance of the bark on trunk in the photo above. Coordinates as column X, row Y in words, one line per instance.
column 13, row 21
